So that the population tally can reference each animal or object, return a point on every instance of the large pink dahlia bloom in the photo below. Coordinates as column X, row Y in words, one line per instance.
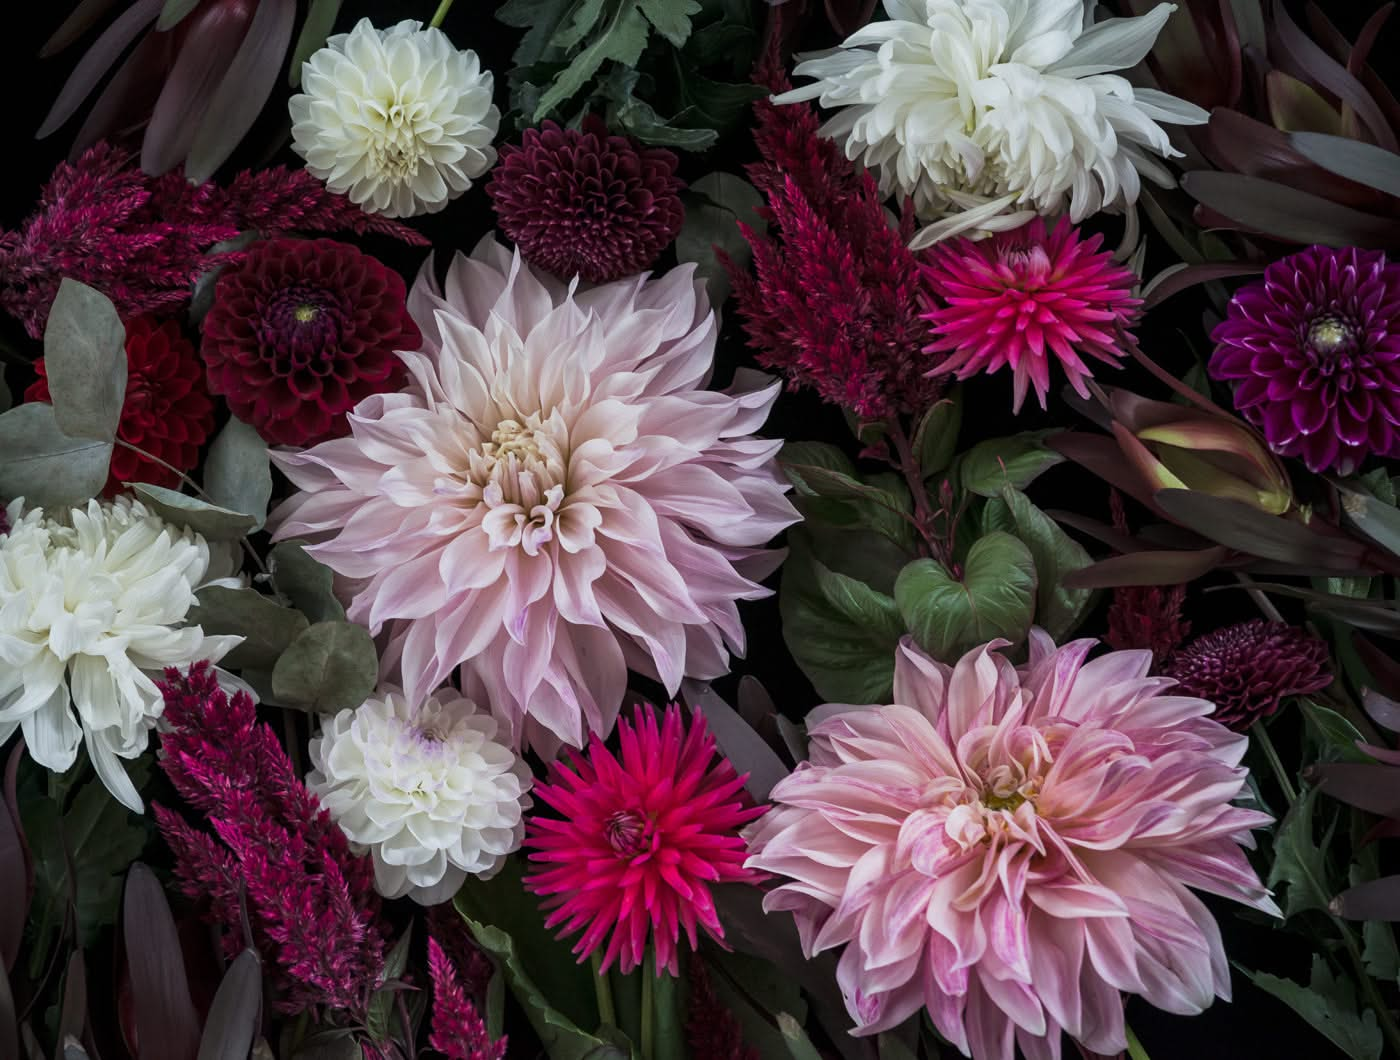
column 553, row 498
column 1012, row 847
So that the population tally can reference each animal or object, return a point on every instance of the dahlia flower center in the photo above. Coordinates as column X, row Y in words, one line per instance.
column 1329, row 335
column 303, row 327
column 1029, row 262
column 626, row 832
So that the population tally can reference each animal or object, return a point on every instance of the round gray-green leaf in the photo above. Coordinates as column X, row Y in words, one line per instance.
column 265, row 625
column 306, row 582
column 85, row 362
column 330, row 666
column 45, row 466
column 238, row 475
column 214, row 522
column 995, row 598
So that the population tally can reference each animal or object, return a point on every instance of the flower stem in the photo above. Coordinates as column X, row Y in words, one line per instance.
column 909, row 467
column 441, row 13
column 1135, row 1049
column 1266, row 744
column 607, row 1015
column 648, row 1045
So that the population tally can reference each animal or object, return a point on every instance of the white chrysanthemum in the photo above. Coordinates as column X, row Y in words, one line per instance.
column 92, row 609
column 990, row 111
column 426, row 789
column 397, row 119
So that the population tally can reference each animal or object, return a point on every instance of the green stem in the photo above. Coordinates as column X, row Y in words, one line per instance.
column 1266, row 744
column 607, row 1015
column 444, row 6
column 648, row 1046
column 1135, row 1049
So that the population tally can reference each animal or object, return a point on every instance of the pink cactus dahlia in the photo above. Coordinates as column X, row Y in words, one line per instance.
column 1011, row 848
column 1025, row 299
column 552, row 499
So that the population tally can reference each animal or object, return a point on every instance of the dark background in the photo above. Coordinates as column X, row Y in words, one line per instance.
column 1255, row 1025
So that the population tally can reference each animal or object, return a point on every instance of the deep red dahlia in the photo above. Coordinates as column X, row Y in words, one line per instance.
column 300, row 332
column 581, row 202
column 167, row 411
column 1313, row 352
column 641, row 839
column 1248, row 669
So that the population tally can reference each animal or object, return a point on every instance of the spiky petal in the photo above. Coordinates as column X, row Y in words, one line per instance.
column 640, row 838
column 1011, row 848
column 1024, row 300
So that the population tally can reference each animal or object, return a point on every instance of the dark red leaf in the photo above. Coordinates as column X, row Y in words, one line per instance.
column 1245, row 528
column 83, row 18
column 1191, row 275
column 98, row 59
column 236, row 1012
column 1373, row 788
column 167, row 1026
column 72, row 1017
column 1286, row 213
column 1384, row 669
column 1374, row 900
column 1146, row 568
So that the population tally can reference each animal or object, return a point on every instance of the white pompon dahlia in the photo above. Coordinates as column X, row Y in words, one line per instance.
column 425, row 788
column 990, row 111
column 553, row 498
column 397, row 119
column 92, row 608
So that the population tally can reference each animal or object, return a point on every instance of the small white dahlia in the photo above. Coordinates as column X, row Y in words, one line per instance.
column 425, row 788
column 553, row 498
column 92, row 608
column 397, row 119
column 987, row 112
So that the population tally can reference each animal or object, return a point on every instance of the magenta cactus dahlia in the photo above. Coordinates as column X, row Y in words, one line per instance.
column 1013, row 848
column 1313, row 353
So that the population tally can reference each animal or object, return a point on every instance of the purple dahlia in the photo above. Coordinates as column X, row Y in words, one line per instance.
column 1248, row 669
column 1313, row 351
column 578, row 202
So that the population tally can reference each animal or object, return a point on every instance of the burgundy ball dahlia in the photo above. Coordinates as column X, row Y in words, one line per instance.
column 1248, row 669
column 167, row 411
column 581, row 202
column 300, row 332
column 1313, row 351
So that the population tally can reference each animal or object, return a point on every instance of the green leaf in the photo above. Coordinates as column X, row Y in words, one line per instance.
column 553, row 988
column 717, row 202
column 307, row 583
column 1336, row 737
column 1330, row 1006
column 1379, row 951
column 641, row 120
column 670, row 17
column 1300, row 862
column 1016, row 461
column 330, row 666
column 265, row 625
column 210, row 520
column 994, row 598
column 382, row 1003
column 85, row 362
column 238, row 474
column 668, row 1028
column 842, row 632
column 799, row 1046
column 936, row 438
column 882, row 504
column 320, row 20
column 1373, row 517
column 234, row 1014
column 622, row 39
column 1058, row 608
column 45, row 466
column 583, row 15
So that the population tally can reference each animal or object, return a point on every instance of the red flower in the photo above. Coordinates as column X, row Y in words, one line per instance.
column 581, row 202
column 640, row 840
column 301, row 332
column 166, row 412
column 459, row 1032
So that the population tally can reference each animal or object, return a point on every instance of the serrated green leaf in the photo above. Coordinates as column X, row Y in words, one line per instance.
column 1330, row 1006
column 670, row 17
column 995, row 597
column 582, row 16
column 238, row 473
column 1300, row 862
column 265, row 625
column 209, row 520
column 43, row 465
column 990, row 466
column 330, row 666
column 640, row 119
column 1058, row 608
column 622, row 39
column 85, row 362
column 1335, row 736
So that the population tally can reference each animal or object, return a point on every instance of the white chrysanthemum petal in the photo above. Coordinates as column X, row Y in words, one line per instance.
column 398, row 119
column 426, row 789
column 92, row 605
column 963, row 103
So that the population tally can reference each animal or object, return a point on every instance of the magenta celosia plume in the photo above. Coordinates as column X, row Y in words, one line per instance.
column 833, row 300
column 579, row 202
column 553, row 498
column 639, row 839
column 302, row 330
column 1012, row 848
column 275, row 857
column 1313, row 352
column 459, row 1032
column 1027, row 299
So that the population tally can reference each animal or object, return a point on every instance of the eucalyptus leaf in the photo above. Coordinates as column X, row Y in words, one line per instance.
column 210, row 520
column 995, row 597
column 330, row 666
column 716, row 203
column 266, row 627
column 238, row 473
column 1058, row 607
column 1330, row 1006
column 43, row 465
column 989, row 467
column 307, row 582
column 85, row 362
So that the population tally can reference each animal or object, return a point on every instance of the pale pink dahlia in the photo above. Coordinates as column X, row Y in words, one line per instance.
column 1026, row 299
column 552, row 499
column 1012, row 847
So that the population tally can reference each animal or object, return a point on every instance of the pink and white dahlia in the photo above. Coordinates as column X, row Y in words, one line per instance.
column 553, row 498
column 1010, row 848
